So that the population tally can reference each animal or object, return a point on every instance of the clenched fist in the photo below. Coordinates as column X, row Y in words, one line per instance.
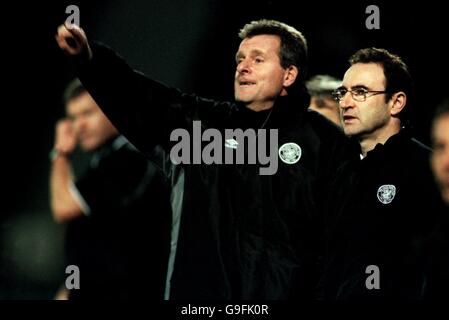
column 65, row 139
column 73, row 41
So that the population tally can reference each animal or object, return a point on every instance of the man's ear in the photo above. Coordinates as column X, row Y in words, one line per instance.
column 399, row 100
column 290, row 75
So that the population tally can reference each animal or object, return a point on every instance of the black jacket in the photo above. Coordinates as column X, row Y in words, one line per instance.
column 243, row 235
column 121, row 245
column 386, row 207
column 436, row 257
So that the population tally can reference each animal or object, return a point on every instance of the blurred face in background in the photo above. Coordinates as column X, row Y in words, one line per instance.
column 327, row 106
column 90, row 125
column 440, row 156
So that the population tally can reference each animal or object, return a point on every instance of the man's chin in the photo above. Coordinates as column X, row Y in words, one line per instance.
column 241, row 98
column 351, row 130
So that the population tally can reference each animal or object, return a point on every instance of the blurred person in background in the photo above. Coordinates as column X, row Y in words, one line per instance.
column 320, row 88
column 437, row 249
column 118, row 212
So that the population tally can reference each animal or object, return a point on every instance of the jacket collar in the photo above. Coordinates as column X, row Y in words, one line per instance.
column 393, row 144
column 285, row 111
column 111, row 145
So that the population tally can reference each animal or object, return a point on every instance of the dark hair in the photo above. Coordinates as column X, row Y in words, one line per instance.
column 73, row 90
column 441, row 110
column 397, row 75
column 293, row 49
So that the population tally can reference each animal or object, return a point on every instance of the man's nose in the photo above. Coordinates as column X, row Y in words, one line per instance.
column 243, row 66
column 346, row 101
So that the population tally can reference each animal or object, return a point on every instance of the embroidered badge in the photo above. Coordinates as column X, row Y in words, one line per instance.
column 290, row 152
column 386, row 193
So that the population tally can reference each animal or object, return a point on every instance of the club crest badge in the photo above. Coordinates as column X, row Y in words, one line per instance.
column 386, row 193
column 290, row 153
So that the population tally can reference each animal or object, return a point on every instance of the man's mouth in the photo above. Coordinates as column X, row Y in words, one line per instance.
column 246, row 83
column 348, row 118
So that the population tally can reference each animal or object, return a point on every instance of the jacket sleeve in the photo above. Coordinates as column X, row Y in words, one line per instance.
column 144, row 110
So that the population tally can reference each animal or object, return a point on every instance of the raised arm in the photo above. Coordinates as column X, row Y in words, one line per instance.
column 142, row 109
column 64, row 206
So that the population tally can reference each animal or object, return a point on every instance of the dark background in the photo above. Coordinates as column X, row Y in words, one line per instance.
column 187, row 44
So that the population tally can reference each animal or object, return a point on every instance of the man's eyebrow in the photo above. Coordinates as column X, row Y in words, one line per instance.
column 257, row 52
column 438, row 144
column 360, row 86
column 239, row 55
column 254, row 52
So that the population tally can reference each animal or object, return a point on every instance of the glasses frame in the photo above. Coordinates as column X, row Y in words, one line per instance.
column 338, row 96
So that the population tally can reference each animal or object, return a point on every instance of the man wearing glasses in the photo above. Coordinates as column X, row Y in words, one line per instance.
column 387, row 201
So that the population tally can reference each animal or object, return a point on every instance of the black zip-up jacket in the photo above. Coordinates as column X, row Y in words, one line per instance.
column 385, row 208
column 243, row 235
column 129, row 218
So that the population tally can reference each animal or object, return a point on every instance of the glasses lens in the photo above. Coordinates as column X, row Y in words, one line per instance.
column 338, row 94
column 359, row 94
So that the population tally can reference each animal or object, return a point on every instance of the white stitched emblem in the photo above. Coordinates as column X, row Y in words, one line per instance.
column 386, row 193
column 290, row 152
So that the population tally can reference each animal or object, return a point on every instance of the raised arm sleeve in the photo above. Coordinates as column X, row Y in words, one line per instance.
column 144, row 110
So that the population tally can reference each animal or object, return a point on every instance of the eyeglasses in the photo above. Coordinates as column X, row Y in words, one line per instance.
column 358, row 94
